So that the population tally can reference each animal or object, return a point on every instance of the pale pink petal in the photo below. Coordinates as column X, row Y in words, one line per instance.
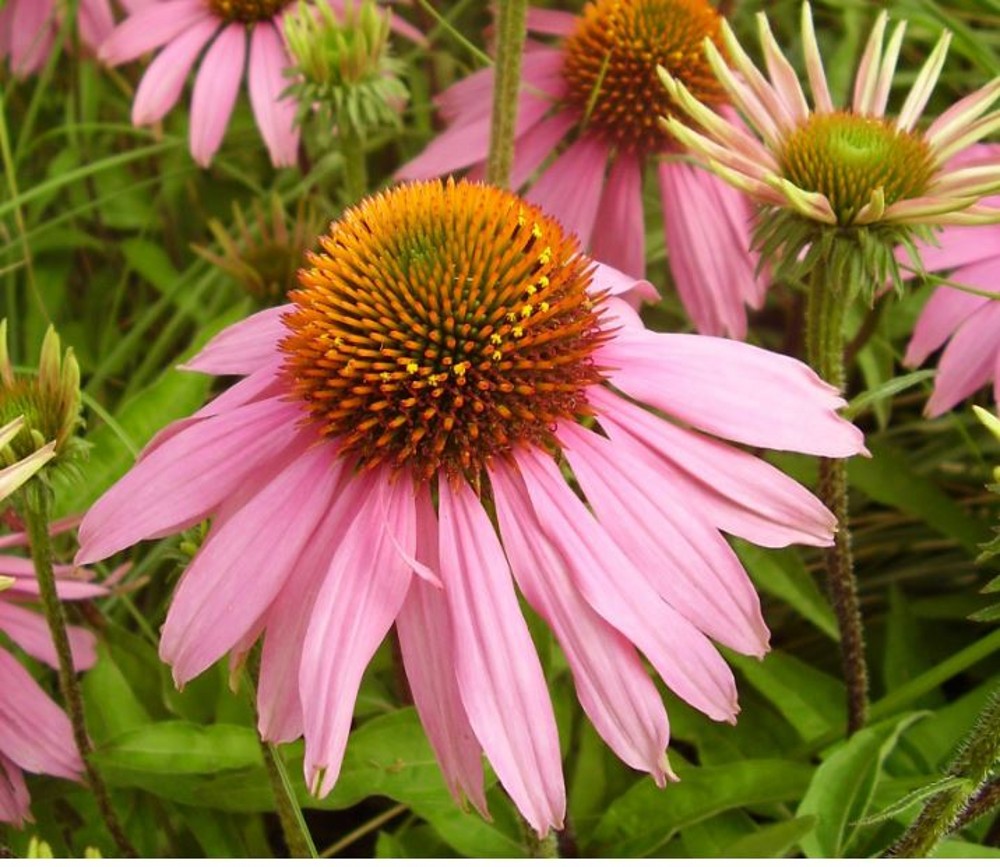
column 551, row 22
column 95, row 21
column 27, row 588
column 611, row 681
column 733, row 390
column 738, row 492
column 163, row 82
column 34, row 731
column 620, row 239
column 427, row 645
column 221, row 594
column 941, row 316
column 149, row 28
column 570, row 188
column 356, row 605
column 604, row 278
column 684, row 559
column 183, row 480
column 275, row 116
column 33, row 29
column 499, row 676
column 537, row 144
column 30, row 632
column 968, row 361
column 15, row 802
column 20, row 537
column 215, row 89
column 866, row 77
column 614, row 588
column 244, row 347
column 957, row 246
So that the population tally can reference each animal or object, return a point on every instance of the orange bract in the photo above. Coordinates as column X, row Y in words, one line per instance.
column 611, row 59
column 444, row 324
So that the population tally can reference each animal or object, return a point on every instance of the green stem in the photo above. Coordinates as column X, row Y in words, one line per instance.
column 976, row 760
column 352, row 147
column 511, row 32
column 293, row 824
column 825, row 310
column 36, row 501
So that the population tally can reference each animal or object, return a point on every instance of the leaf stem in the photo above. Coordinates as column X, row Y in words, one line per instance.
column 511, row 32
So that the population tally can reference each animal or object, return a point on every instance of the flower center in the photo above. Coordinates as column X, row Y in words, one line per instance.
column 247, row 11
column 443, row 324
column 846, row 157
column 611, row 58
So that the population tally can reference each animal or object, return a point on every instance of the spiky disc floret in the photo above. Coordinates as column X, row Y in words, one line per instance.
column 247, row 11
column 611, row 59
column 443, row 324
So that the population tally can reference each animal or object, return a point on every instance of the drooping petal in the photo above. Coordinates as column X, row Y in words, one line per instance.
column 149, row 28
column 614, row 688
column 95, row 21
column 427, row 643
column 357, row 603
column 30, row 632
column 968, row 361
column 614, row 588
column 551, row 22
column 499, row 676
column 32, row 34
column 621, row 236
column 570, row 188
column 215, row 89
column 275, row 116
column 943, row 314
column 537, row 144
column 15, row 802
column 217, row 600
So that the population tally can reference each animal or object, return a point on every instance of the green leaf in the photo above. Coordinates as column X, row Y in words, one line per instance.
column 885, row 390
column 964, row 849
column 843, row 785
column 645, row 818
column 112, row 708
column 771, row 841
column 917, row 796
column 176, row 747
column 150, row 262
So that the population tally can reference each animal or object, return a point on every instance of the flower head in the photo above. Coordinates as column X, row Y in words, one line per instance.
column 593, row 97
column 850, row 167
column 448, row 355
column 35, row 734
column 183, row 28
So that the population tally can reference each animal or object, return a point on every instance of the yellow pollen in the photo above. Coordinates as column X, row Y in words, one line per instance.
column 546, row 256
column 422, row 278
column 544, row 307
column 531, row 290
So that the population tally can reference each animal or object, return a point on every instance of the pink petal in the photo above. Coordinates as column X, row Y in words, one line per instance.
column 941, row 317
column 614, row 689
column 738, row 492
column 570, row 188
column 551, row 22
column 732, row 390
column 216, row 604
column 968, row 361
column 619, row 285
column 15, row 802
column 215, row 91
column 32, row 33
column 621, row 238
column 35, row 733
column 537, row 144
column 682, row 557
column 357, row 603
column 613, row 587
column 149, row 28
column 427, row 643
column 30, row 632
column 95, row 22
column 275, row 116
column 163, row 82
column 499, row 676
column 184, row 479
column 244, row 347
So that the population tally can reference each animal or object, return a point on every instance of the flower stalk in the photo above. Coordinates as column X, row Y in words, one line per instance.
column 825, row 311
column 511, row 33
column 36, row 499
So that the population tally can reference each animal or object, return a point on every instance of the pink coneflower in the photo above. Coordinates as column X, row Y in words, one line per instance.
column 35, row 734
column 28, row 29
column 436, row 371
column 595, row 97
column 967, row 322
column 185, row 28
column 846, row 167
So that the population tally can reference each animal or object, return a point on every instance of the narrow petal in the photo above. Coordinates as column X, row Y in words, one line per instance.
column 537, row 144
column 32, row 34
column 733, row 390
column 685, row 659
column 814, row 64
column 215, row 603
column 499, row 676
column 163, row 82
column 30, row 632
column 611, row 681
column 917, row 98
column 244, row 347
column 570, row 188
column 866, row 78
column 782, row 74
column 968, row 361
column 880, row 98
column 961, row 114
column 95, row 22
column 15, row 802
column 685, row 560
column 943, row 314
column 356, row 605
column 621, row 238
column 12, row 477
column 427, row 643
column 149, row 28
column 275, row 116
column 215, row 89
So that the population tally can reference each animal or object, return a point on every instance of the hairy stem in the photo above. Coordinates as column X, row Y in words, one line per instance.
column 36, row 501
column 352, row 148
column 511, row 31
column 825, row 311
